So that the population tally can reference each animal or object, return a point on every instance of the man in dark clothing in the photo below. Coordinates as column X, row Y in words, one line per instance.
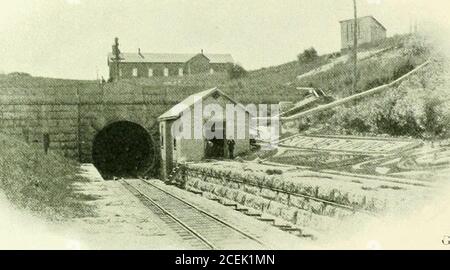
column 231, row 144
column 46, row 142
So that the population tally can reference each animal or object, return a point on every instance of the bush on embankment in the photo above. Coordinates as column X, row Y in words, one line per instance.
column 41, row 183
column 417, row 108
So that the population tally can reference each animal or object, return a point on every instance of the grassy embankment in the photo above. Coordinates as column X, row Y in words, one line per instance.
column 416, row 108
column 266, row 85
column 40, row 183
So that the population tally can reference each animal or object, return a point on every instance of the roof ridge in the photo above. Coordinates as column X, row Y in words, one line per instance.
column 171, row 57
column 366, row 16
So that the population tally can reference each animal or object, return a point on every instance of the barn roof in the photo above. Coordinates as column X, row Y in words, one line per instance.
column 179, row 108
column 370, row 16
column 169, row 58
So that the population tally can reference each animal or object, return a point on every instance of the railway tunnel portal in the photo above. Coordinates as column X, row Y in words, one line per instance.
column 112, row 123
column 123, row 149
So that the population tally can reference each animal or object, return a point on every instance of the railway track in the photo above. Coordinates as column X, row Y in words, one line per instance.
column 198, row 228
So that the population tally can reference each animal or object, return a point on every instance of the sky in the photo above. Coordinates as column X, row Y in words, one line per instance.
column 71, row 38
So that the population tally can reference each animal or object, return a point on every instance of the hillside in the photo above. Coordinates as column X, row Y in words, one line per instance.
column 40, row 183
column 379, row 64
column 418, row 107
column 278, row 83
column 267, row 85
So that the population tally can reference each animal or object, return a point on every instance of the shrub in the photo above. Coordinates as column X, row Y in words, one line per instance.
column 308, row 55
column 416, row 47
column 435, row 119
column 376, row 82
column 402, row 69
column 236, row 71
column 274, row 172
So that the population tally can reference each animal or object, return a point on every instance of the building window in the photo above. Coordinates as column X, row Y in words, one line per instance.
column 211, row 71
column 174, row 143
column 135, row 72
column 180, row 72
column 166, row 72
column 216, row 95
column 150, row 72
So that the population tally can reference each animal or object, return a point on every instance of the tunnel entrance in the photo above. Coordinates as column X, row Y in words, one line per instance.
column 123, row 149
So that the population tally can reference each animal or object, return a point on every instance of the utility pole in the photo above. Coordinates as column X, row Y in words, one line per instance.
column 355, row 48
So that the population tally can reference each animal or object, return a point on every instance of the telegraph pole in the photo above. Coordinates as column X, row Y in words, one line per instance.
column 355, row 48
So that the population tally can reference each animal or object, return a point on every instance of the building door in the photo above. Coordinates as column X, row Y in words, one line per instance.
column 216, row 147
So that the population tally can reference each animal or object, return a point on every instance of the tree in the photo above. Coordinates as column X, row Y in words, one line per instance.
column 308, row 55
column 236, row 71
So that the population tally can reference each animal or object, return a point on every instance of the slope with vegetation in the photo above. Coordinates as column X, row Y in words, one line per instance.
column 278, row 83
column 417, row 108
column 40, row 183
column 382, row 68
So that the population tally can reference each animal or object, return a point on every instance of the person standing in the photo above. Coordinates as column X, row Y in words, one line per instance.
column 231, row 144
column 46, row 142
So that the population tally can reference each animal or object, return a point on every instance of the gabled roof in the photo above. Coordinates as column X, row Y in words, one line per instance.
column 169, row 58
column 176, row 111
column 364, row 17
column 220, row 58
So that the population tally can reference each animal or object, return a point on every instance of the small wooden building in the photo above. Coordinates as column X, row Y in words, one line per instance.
column 368, row 30
column 177, row 148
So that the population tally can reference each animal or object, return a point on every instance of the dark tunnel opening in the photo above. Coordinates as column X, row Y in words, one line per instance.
column 123, row 149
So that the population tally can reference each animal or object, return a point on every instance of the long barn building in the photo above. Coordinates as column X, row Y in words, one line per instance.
column 147, row 65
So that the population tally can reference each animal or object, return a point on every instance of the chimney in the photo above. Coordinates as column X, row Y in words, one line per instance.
column 202, row 51
column 139, row 52
column 115, row 49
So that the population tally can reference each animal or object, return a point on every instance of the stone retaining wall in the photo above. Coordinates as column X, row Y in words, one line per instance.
column 304, row 210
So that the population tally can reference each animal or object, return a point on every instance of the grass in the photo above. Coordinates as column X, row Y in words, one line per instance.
column 40, row 183
column 372, row 72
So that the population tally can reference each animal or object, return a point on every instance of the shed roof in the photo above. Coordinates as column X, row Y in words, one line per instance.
column 179, row 108
column 364, row 17
column 169, row 58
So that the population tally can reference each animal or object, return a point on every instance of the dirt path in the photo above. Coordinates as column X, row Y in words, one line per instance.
column 123, row 222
